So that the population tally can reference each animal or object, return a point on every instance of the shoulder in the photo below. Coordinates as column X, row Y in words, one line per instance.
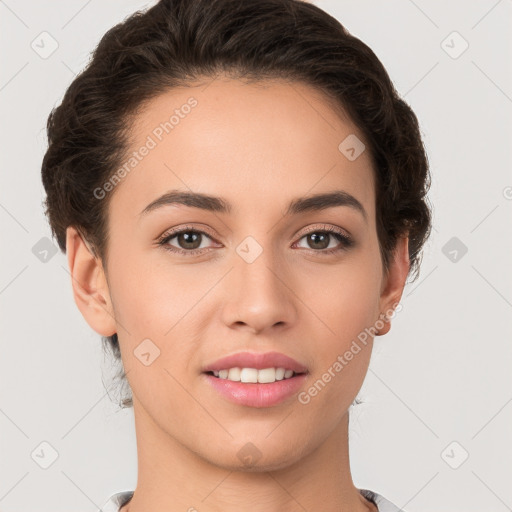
column 115, row 502
column 382, row 503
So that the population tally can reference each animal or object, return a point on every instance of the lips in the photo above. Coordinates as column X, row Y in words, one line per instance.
column 259, row 361
column 256, row 395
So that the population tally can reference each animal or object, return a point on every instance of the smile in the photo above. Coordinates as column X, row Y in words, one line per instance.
column 256, row 394
column 253, row 375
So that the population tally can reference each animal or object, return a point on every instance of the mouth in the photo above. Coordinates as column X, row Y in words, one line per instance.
column 255, row 379
column 251, row 387
column 254, row 375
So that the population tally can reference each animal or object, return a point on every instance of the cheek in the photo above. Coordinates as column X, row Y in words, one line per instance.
column 345, row 309
column 344, row 299
column 155, row 314
column 161, row 304
column 151, row 298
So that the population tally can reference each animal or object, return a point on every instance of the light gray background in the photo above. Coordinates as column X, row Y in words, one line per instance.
column 442, row 374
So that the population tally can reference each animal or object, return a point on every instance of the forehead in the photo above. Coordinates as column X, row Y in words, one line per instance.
column 255, row 143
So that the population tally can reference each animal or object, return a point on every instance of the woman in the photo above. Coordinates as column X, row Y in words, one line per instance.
column 241, row 195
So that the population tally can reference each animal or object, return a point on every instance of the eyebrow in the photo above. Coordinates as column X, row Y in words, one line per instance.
column 316, row 202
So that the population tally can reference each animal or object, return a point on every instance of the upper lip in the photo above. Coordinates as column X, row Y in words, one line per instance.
column 256, row 360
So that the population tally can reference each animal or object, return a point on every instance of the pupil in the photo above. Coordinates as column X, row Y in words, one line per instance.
column 184, row 237
column 315, row 236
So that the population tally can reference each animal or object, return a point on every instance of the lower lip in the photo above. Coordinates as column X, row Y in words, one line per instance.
column 255, row 394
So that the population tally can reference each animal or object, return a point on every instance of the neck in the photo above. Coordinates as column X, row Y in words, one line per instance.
column 173, row 478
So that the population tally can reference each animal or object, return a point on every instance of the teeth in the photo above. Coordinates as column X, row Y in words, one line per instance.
column 234, row 374
column 250, row 374
column 253, row 375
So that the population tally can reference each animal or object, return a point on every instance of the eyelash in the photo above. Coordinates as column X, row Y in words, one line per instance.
column 346, row 242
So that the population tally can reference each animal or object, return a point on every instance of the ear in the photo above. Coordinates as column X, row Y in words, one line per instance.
column 90, row 287
column 393, row 284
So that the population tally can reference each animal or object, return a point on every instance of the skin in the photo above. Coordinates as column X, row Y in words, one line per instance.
column 259, row 146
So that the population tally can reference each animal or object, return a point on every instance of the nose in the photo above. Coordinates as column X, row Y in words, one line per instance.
column 259, row 294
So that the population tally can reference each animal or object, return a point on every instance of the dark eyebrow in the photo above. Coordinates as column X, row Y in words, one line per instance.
column 310, row 203
column 193, row 199
column 326, row 200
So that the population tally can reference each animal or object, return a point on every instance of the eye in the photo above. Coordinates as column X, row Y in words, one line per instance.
column 190, row 240
column 320, row 240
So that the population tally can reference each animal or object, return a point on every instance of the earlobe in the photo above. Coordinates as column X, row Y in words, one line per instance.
column 393, row 285
column 90, row 288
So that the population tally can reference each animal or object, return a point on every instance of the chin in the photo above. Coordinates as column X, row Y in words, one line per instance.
column 257, row 457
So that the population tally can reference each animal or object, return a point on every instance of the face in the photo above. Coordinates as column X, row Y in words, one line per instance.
column 255, row 271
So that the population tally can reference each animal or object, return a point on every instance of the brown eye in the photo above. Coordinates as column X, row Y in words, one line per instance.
column 188, row 241
column 320, row 241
